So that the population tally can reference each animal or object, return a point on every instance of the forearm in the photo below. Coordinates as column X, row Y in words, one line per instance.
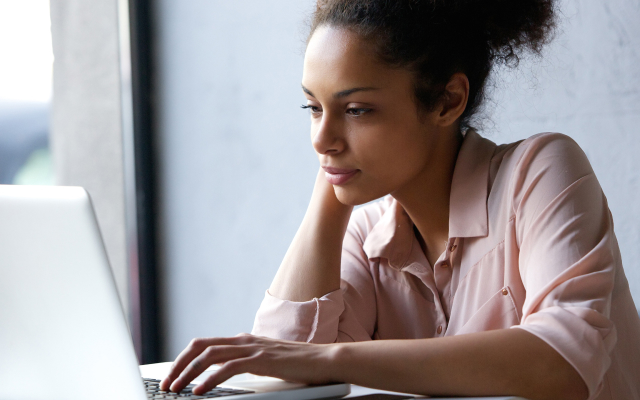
column 311, row 266
column 502, row 362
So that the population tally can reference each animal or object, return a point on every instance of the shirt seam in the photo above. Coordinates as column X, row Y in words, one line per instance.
column 479, row 261
column 350, row 337
column 513, row 303
column 546, row 206
column 408, row 287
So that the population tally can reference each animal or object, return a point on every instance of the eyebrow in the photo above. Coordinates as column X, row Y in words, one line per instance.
column 342, row 93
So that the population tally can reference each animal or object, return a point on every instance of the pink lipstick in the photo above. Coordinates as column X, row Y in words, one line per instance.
column 338, row 176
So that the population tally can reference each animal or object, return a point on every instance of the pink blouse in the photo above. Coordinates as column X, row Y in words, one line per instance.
column 531, row 247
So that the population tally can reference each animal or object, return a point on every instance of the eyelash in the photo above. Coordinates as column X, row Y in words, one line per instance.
column 312, row 109
column 356, row 112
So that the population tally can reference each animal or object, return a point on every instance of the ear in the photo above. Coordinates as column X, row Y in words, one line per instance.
column 454, row 101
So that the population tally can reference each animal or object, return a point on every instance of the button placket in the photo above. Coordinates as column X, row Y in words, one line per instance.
column 441, row 325
column 452, row 246
column 443, row 275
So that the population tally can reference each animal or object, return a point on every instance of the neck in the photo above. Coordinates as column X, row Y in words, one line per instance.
column 426, row 198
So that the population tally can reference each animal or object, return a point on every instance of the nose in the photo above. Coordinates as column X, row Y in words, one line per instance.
column 327, row 138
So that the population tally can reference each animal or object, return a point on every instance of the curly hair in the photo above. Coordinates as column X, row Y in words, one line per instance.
column 438, row 38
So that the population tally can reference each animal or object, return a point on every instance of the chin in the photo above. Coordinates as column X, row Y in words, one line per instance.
column 352, row 197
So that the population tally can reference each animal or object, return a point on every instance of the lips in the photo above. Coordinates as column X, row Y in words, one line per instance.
column 339, row 176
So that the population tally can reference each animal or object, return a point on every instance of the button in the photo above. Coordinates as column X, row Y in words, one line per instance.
column 505, row 292
column 439, row 330
column 444, row 265
column 453, row 247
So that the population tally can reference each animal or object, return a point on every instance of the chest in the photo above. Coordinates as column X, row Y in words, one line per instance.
column 474, row 286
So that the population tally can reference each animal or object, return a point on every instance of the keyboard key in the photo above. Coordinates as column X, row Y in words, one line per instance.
column 152, row 387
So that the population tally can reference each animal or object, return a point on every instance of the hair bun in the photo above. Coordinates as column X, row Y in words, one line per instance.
column 510, row 26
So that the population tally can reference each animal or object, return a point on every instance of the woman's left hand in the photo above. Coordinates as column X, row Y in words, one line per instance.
column 291, row 361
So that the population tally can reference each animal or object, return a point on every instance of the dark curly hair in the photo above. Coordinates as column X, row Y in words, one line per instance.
column 438, row 38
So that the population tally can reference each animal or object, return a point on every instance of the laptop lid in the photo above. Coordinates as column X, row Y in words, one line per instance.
column 62, row 331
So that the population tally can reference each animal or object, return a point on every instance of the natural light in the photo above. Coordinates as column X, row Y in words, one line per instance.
column 25, row 51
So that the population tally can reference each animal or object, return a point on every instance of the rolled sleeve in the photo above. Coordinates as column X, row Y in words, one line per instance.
column 567, row 257
column 344, row 315
column 313, row 321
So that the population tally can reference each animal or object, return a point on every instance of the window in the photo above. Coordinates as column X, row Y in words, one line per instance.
column 25, row 92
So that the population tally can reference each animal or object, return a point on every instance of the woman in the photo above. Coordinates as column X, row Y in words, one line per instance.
column 499, row 262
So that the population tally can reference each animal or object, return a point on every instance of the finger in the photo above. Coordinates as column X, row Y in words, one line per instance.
column 195, row 347
column 228, row 370
column 212, row 355
column 245, row 338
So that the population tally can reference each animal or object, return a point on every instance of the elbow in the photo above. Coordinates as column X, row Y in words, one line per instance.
column 560, row 383
column 555, row 389
column 551, row 377
column 567, row 382
column 573, row 390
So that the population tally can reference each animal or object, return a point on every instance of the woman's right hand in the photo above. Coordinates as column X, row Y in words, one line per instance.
column 311, row 266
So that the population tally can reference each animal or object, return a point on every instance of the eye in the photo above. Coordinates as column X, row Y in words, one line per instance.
column 357, row 112
column 312, row 109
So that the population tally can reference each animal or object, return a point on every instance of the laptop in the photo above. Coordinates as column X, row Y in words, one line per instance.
column 63, row 334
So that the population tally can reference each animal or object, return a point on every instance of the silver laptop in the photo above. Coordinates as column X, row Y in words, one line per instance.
column 63, row 334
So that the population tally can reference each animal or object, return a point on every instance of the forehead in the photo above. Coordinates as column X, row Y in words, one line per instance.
column 338, row 59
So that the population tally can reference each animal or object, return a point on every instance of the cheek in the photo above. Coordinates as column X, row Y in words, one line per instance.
column 387, row 161
column 397, row 156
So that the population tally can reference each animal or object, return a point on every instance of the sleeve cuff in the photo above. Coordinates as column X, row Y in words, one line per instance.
column 313, row 321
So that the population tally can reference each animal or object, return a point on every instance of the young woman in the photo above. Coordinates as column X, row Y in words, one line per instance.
column 484, row 270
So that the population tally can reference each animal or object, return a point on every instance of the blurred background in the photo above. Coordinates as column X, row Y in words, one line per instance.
column 25, row 92
column 182, row 119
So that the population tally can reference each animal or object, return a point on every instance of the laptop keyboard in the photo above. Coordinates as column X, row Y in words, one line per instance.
column 153, row 391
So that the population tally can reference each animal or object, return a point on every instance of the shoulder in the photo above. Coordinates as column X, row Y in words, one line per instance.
column 552, row 155
column 540, row 167
column 544, row 149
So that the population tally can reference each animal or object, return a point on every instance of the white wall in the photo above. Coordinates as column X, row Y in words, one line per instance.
column 237, row 165
column 238, row 168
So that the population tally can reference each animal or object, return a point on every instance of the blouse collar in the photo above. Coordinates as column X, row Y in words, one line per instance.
column 393, row 238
